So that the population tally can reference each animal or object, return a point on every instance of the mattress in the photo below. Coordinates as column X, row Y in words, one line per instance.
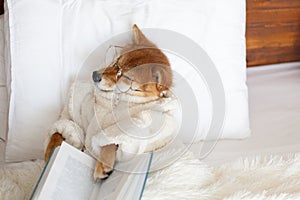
column 274, row 104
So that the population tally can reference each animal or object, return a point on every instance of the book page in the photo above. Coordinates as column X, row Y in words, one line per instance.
column 80, row 184
column 127, row 180
column 137, row 178
column 43, row 177
column 70, row 177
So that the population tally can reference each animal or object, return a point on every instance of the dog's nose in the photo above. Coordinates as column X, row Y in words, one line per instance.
column 96, row 77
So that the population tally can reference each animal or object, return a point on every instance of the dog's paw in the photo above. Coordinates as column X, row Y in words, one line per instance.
column 102, row 171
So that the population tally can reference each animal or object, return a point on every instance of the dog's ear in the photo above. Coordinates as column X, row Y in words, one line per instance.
column 162, row 76
column 139, row 38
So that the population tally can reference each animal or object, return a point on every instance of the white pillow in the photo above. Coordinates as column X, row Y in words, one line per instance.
column 3, row 89
column 36, row 75
column 51, row 39
column 2, row 71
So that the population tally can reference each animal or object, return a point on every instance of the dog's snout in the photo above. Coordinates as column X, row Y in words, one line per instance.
column 96, row 77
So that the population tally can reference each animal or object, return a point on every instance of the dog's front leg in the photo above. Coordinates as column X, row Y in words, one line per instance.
column 106, row 161
column 63, row 130
column 55, row 141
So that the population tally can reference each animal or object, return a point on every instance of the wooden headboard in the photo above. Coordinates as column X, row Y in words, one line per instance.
column 1, row 7
column 272, row 32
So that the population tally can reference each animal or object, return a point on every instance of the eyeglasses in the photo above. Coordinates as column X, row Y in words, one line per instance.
column 119, row 75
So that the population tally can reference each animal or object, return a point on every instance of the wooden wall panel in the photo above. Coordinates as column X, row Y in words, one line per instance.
column 1, row 7
column 273, row 31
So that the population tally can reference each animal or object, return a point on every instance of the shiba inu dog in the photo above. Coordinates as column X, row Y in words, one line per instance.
column 140, row 78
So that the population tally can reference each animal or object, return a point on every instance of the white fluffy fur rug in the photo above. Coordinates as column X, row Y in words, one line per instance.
column 258, row 178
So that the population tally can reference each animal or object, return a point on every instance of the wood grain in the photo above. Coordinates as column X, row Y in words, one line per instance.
column 273, row 31
column 1, row 7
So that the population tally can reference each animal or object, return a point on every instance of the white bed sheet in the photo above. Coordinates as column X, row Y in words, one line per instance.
column 274, row 104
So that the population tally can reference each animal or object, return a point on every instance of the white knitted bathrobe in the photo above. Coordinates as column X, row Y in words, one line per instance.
column 91, row 119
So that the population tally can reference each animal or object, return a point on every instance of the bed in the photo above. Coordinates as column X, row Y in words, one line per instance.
column 271, row 35
column 274, row 114
column 273, row 80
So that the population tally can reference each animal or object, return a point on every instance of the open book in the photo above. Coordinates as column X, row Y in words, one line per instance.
column 69, row 175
